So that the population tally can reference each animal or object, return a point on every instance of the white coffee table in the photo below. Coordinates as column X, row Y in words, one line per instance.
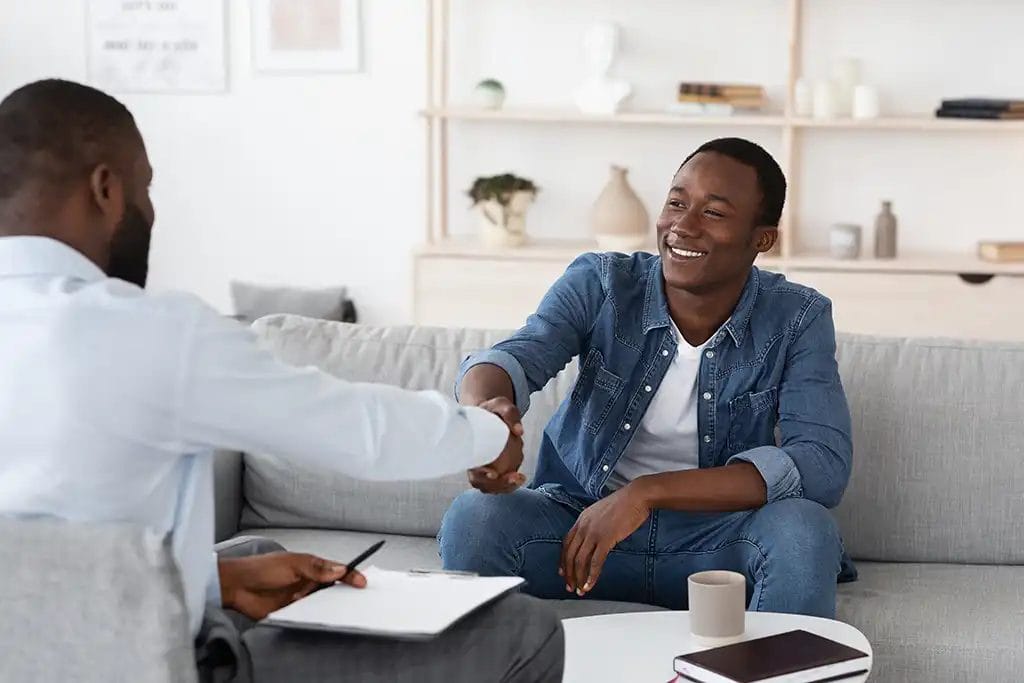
column 640, row 647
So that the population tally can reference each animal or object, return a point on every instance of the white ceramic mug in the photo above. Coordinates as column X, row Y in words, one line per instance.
column 718, row 603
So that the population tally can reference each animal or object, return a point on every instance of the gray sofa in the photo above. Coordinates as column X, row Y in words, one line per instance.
column 934, row 515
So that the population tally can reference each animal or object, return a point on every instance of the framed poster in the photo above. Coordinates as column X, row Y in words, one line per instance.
column 157, row 46
column 295, row 36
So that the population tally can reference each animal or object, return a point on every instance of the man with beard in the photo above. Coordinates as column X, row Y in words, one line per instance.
column 112, row 401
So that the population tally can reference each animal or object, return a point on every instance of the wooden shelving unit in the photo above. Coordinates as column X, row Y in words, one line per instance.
column 922, row 280
column 567, row 116
column 563, row 251
column 760, row 120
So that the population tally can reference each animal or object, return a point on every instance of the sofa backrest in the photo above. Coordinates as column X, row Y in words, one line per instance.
column 84, row 602
column 278, row 493
column 938, row 435
column 938, row 431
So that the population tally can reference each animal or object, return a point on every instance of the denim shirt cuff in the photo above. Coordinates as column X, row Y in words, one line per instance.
column 507, row 362
column 780, row 474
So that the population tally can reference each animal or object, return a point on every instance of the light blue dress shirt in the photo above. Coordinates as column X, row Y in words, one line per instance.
column 112, row 401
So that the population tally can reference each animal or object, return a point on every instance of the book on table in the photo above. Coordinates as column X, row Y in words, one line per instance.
column 791, row 657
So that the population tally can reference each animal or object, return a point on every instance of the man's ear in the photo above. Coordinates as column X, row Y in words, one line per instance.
column 765, row 237
column 108, row 193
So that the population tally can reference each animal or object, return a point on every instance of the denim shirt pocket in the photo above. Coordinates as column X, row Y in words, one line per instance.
column 752, row 420
column 595, row 392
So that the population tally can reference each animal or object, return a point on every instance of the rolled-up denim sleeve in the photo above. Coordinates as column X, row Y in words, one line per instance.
column 552, row 336
column 780, row 474
column 815, row 456
column 507, row 362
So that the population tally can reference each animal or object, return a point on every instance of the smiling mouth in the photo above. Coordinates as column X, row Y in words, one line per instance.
column 687, row 254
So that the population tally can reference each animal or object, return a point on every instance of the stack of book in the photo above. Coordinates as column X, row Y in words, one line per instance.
column 1001, row 251
column 981, row 108
column 717, row 99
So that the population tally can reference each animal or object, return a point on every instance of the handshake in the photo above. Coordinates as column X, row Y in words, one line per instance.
column 502, row 475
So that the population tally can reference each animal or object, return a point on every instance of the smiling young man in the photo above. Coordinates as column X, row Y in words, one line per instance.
column 708, row 428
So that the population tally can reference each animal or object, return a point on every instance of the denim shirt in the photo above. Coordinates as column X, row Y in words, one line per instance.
column 768, row 387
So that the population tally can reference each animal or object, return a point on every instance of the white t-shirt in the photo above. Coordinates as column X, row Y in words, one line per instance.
column 666, row 438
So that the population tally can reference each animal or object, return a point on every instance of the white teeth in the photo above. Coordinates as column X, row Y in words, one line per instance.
column 688, row 254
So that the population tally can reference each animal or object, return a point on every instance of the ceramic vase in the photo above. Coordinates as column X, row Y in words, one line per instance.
column 619, row 219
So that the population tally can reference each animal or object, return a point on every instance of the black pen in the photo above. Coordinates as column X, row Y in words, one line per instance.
column 359, row 559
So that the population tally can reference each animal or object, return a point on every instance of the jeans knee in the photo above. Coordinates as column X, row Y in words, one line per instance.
column 471, row 536
column 801, row 530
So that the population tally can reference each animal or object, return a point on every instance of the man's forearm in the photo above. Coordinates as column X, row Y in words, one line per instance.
column 484, row 382
column 715, row 489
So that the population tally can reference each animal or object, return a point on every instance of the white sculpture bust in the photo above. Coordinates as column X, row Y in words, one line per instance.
column 601, row 94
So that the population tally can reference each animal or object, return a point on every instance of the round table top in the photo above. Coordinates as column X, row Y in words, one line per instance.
column 641, row 646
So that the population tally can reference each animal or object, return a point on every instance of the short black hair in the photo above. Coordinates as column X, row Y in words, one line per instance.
column 52, row 131
column 769, row 176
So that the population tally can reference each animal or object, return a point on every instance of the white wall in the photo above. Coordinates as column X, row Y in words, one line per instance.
column 319, row 179
column 307, row 180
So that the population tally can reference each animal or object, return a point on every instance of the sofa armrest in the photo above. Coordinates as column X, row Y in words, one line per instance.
column 227, row 493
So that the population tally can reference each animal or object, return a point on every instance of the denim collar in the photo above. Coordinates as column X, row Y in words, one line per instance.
column 656, row 305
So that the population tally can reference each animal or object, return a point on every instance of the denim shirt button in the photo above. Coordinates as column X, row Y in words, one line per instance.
column 648, row 388
column 710, row 354
column 707, row 395
column 627, row 426
column 707, row 439
column 664, row 352
column 605, row 468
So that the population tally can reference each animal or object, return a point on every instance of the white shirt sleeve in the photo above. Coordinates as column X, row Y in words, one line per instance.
column 236, row 395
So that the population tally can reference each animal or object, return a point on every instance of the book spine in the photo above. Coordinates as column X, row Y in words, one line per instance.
column 987, row 104
column 721, row 90
column 946, row 113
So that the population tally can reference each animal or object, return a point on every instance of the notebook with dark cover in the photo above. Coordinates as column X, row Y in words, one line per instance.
column 984, row 103
column 951, row 113
column 794, row 655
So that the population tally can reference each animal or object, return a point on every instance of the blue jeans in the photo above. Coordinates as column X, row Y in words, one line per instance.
column 789, row 550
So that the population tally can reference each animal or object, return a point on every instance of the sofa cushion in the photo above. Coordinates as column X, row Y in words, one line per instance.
column 399, row 552
column 938, row 433
column 90, row 602
column 280, row 494
column 937, row 622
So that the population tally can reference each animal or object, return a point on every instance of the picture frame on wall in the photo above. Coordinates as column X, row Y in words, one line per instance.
column 157, row 46
column 303, row 36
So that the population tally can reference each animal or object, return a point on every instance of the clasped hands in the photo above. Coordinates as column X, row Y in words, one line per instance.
column 598, row 529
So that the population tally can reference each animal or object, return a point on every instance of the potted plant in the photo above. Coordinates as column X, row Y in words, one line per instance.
column 501, row 202
column 489, row 94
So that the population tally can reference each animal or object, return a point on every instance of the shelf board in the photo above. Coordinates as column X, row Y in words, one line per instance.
column 910, row 123
column 934, row 263
column 628, row 118
column 534, row 250
column 765, row 120
column 565, row 250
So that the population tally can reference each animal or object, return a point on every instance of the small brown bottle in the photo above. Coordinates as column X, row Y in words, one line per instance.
column 885, row 233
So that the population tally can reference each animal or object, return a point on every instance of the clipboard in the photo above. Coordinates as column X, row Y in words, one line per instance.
column 401, row 605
